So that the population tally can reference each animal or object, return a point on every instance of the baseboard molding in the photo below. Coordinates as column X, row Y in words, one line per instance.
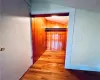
column 84, row 68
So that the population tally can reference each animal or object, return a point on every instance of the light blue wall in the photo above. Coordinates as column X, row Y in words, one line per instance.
column 47, row 6
column 93, row 5
column 86, row 41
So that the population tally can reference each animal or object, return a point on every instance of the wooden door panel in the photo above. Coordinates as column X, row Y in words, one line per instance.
column 56, row 40
column 38, row 37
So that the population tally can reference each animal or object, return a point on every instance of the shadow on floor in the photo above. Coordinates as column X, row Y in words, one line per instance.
column 85, row 75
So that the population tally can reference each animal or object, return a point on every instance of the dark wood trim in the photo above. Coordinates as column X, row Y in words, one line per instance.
column 48, row 15
column 55, row 29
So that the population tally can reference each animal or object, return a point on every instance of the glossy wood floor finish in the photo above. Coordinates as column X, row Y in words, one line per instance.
column 50, row 66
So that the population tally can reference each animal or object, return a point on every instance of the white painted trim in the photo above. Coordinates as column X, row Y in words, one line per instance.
column 70, row 38
column 85, row 68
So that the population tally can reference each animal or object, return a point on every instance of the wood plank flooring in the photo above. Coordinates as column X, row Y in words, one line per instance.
column 50, row 66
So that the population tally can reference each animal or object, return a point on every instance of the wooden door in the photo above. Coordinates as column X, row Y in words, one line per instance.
column 56, row 40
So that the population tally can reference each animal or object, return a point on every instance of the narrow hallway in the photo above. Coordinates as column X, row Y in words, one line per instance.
column 50, row 66
column 49, row 39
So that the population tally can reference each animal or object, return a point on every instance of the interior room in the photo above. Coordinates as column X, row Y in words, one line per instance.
column 17, row 40
column 49, row 35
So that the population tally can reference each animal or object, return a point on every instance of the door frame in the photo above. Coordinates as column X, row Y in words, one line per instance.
column 71, row 14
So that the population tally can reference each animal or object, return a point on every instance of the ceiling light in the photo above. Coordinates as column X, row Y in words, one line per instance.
column 56, row 26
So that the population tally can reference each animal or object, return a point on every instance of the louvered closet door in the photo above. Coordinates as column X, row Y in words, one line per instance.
column 56, row 40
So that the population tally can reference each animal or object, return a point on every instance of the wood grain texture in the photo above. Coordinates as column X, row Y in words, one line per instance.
column 38, row 37
column 50, row 66
column 56, row 40
column 51, row 24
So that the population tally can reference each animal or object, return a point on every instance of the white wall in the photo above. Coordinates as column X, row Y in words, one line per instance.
column 83, row 32
column 0, row 41
column 16, row 32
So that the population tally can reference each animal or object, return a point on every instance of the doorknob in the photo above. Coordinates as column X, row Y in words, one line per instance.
column 2, row 49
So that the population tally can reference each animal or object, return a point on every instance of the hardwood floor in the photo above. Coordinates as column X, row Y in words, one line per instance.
column 50, row 66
